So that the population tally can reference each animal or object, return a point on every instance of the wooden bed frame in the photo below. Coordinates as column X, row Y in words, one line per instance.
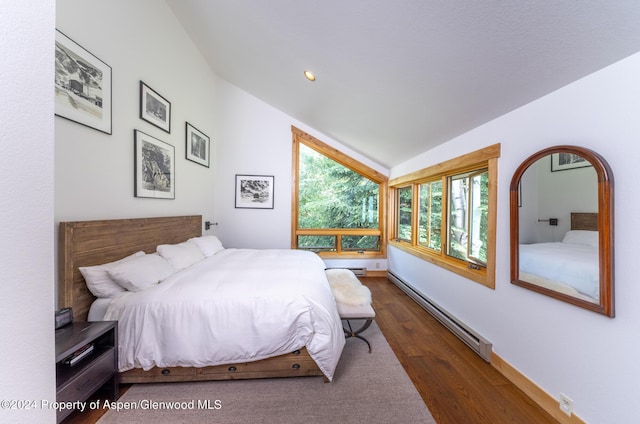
column 89, row 243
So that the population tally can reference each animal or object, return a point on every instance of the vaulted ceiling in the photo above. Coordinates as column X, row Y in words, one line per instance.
column 398, row 77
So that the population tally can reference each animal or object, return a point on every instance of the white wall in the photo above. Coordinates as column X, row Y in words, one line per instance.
column 140, row 40
column 26, row 209
column 254, row 138
column 547, row 194
column 588, row 357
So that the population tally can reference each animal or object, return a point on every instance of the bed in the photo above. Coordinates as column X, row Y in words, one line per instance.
column 571, row 266
column 308, row 344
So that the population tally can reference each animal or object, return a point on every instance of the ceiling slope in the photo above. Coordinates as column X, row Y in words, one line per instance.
column 396, row 78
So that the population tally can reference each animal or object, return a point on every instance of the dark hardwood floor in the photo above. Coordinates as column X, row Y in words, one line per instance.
column 457, row 386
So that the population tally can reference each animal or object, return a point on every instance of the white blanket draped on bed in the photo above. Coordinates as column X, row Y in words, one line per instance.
column 575, row 265
column 239, row 305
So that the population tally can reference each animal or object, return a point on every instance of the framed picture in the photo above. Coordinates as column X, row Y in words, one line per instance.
column 254, row 191
column 82, row 85
column 564, row 161
column 154, row 167
column 154, row 108
column 197, row 145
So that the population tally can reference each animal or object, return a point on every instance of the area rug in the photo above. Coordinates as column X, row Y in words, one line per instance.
column 367, row 388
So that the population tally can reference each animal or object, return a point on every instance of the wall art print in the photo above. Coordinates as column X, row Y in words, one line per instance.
column 82, row 85
column 197, row 145
column 154, row 108
column 154, row 167
column 254, row 191
column 563, row 161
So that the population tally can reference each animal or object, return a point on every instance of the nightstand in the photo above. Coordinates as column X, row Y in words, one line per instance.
column 97, row 368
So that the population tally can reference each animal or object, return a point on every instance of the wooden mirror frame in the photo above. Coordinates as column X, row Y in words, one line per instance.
column 605, row 305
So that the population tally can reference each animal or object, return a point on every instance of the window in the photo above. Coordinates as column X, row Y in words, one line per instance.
column 467, row 229
column 430, row 218
column 338, row 204
column 452, row 207
column 405, row 209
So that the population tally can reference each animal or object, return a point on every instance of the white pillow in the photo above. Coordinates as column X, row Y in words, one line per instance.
column 98, row 280
column 209, row 245
column 141, row 272
column 180, row 255
column 589, row 238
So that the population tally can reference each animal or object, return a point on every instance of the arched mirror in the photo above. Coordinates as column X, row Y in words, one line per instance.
column 562, row 227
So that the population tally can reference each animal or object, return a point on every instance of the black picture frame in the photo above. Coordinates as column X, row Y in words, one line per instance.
column 154, row 167
column 154, row 108
column 254, row 191
column 83, row 92
column 197, row 145
column 563, row 161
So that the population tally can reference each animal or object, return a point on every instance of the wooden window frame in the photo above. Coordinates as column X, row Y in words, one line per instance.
column 413, row 202
column 470, row 215
column 479, row 159
column 301, row 137
column 428, row 233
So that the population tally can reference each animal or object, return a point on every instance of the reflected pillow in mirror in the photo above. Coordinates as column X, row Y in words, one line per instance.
column 588, row 238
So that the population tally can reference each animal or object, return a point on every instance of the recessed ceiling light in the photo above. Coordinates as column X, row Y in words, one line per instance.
column 309, row 75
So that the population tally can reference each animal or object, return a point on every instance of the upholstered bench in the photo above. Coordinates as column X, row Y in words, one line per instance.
column 353, row 301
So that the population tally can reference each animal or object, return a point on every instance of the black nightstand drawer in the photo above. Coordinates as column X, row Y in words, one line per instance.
column 90, row 379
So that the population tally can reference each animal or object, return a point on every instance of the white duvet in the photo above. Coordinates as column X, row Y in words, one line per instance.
column 239, row 305
column 575, row 265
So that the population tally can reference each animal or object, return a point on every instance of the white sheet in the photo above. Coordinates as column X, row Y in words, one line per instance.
column 575, row 265
column 98, row 309
column 555, row 286
column 239, row 305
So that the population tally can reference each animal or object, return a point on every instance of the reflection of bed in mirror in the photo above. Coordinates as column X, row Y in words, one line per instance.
column 570, row 266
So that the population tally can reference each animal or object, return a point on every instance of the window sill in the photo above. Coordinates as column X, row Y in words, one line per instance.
column 351, row 255
column 483, row 276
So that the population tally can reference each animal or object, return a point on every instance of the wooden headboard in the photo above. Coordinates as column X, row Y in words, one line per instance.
column 88, row 243
column 584, row 221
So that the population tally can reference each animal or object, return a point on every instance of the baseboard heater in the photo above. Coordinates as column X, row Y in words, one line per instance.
column 472, row 339
column 359, row 272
